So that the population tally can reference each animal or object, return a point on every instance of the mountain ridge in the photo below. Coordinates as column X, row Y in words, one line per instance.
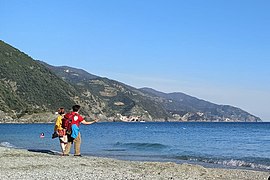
column 29, row 87
column 194, row 105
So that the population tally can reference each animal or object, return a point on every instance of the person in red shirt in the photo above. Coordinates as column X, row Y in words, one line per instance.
column 75, row 137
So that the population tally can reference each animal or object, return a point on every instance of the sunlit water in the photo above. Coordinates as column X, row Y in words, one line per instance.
column 241, row 145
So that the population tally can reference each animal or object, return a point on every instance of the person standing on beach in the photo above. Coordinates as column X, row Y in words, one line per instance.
column 75, row 136
column 60, row 131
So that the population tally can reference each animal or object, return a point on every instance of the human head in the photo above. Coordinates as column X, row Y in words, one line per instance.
column 76, row 108
column 61, row 111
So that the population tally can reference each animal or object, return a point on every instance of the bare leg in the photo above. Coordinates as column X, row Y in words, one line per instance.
column 63, row 143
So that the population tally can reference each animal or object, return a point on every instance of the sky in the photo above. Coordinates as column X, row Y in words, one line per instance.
column 216, row 50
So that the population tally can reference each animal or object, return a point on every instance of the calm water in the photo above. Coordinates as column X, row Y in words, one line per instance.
column 241, row 145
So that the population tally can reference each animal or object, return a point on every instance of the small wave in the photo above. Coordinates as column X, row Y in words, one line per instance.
column 114, row 150
column 239, row 163
column 231, row 162
column 7, row 144
column 142, row 145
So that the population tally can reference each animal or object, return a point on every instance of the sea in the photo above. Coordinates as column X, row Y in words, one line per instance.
column 217, row 145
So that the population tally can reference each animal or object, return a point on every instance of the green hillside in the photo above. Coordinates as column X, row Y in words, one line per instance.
column 27, row 86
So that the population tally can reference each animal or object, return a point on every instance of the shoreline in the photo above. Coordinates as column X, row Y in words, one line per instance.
column 200, row 163
column 35, row 164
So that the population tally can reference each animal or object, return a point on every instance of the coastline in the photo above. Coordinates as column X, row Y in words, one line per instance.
column 27, row 164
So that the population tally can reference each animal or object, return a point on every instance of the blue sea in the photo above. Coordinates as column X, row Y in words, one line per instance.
column 220, row 145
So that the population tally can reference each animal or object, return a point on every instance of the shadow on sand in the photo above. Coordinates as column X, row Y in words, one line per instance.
column 46, row 151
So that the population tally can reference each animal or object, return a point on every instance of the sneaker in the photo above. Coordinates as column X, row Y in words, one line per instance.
column 79, row 155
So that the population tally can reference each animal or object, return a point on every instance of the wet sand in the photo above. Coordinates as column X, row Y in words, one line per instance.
column 24, row 164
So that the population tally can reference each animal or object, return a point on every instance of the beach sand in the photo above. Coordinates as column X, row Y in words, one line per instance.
column 23, row 164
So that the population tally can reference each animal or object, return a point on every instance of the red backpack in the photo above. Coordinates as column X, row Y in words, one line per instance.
column 67, row 123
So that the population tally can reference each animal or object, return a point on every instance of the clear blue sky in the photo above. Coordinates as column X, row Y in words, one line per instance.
column 216, row 50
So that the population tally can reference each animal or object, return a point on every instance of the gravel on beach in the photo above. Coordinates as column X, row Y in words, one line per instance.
column 23, row 164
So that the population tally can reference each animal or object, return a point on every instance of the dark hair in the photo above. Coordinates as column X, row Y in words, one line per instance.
column 61, row 111
column 76, row 108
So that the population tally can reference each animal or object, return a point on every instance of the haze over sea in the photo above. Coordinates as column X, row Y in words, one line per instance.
column 229, row 145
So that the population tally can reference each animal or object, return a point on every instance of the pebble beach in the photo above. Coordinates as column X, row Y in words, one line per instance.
column 24, row 164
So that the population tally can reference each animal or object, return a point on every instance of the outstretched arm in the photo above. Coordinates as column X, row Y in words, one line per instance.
column 89, row 122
